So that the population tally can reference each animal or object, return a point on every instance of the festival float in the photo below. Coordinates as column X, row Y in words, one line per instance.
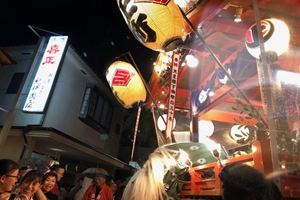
column 224, row 89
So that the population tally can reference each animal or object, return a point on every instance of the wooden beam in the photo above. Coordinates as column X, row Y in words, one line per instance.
column 226, row 117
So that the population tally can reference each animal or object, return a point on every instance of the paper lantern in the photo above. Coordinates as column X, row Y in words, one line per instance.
column 239, row 133
column 157, row 24
column 275, row 34
column 126, row 84
column 161, row 124
column 205, row 128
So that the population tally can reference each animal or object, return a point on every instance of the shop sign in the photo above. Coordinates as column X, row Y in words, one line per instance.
column 46, row 74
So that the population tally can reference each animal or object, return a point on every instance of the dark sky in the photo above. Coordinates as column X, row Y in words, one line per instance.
column 96, row 27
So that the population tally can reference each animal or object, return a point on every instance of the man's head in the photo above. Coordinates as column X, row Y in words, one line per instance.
column 240, row 181
column 113, row 187
column 80, row 182
column 100, row 179
column 22, row 172
column 59, row 170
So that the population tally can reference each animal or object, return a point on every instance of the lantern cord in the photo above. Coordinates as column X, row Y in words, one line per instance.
column 222, row 67
column 146, row 86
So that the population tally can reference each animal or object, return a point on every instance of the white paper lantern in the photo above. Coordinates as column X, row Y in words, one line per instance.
column 275, row 34
column 159, row 25
column 205, row 128
column 161, row 124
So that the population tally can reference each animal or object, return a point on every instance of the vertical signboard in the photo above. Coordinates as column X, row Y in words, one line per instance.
column 43, row 82
column 172, row 95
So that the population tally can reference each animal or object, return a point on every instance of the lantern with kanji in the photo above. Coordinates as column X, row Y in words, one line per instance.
column 275, row 35
column 157, row 24
column 126, row 84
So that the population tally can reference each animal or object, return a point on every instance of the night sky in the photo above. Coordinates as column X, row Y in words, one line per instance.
column 94, row 27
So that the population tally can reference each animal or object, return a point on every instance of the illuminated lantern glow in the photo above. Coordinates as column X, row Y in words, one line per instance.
column 205, row 129
column 125, row 83
column 275, row 34
column 157, row 24
column 161, row 124
column 239, row 133
column 191, row 60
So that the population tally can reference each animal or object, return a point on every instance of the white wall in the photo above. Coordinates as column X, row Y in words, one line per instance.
column 22, row 56
column 63, row 109
column 62, row 113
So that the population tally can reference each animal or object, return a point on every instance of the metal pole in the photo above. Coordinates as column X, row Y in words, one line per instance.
column 267, row 83
column 146, row 86
column 16, row 103
column 169, row 140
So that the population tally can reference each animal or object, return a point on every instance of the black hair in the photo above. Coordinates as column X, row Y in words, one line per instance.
column 7, row 166
column 240, row 181
column 81, row 179
column 56, row 167
column 32, row 175
column 23, row 168
column 49, row 174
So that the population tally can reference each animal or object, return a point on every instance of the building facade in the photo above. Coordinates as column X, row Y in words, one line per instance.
column 81, row 123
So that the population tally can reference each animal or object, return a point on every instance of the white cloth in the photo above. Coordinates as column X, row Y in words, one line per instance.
column 85, row 185
column 182, row 136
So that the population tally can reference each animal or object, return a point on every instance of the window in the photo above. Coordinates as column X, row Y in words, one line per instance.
column 118, row 128
column 95, row 110
column 15, row 83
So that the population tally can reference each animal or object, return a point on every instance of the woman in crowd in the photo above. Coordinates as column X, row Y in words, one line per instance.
column 9, row 171
column 114, row 188
column 48, row 182
column 30, row 186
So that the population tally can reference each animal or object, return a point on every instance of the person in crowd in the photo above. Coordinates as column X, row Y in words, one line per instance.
column 85, row 185
column 98, row 190
column 48, row 182
column 119, row 188
column 9, row 171
column 64, row 190
column 59, row 170
column 22, row 172
column 75, row 189
column 241, row 181
column 114, row 187
column 30, row 186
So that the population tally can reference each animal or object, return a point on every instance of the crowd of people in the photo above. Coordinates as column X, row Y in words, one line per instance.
column 22, row 183
column 239, row 181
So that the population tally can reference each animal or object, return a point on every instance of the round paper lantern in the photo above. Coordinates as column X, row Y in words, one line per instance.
column 161, row 124
column 126, row 84
column 191, row 60
column 158, row 25
column 205, row 128
column 239, row 133
column 275, row 34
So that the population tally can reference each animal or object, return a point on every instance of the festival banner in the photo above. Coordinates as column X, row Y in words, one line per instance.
column 172, row 94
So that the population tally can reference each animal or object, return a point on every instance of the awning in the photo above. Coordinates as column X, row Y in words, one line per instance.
column 73, row 151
